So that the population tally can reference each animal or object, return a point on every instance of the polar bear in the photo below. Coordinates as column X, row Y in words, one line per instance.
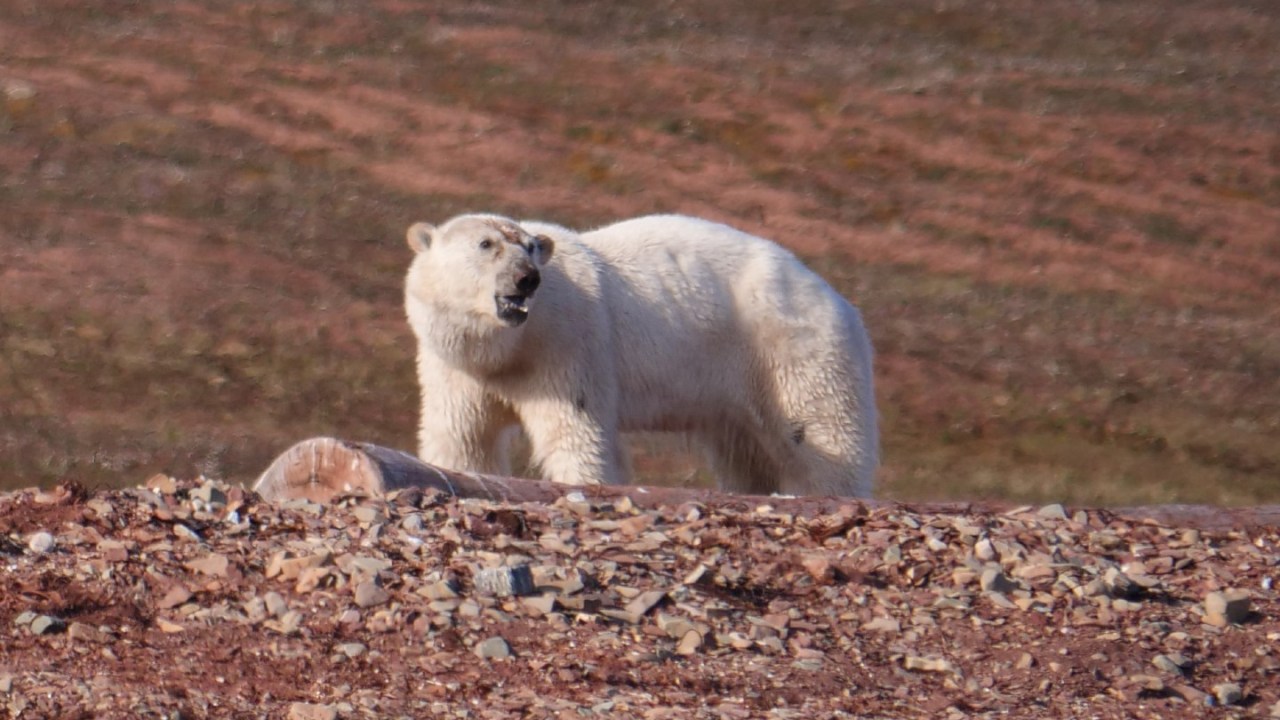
column 660, row 323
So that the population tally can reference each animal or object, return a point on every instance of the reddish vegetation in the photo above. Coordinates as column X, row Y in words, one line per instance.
column 1060, row 220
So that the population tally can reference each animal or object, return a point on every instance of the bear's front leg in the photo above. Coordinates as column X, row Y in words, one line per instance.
column 467, row 441
column 461, row 427
column 472, row 441
column 573, row 445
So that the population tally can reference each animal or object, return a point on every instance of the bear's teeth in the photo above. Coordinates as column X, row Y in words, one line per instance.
column 513, row 306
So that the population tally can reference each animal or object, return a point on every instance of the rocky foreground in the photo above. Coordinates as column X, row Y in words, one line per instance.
column 197, row 599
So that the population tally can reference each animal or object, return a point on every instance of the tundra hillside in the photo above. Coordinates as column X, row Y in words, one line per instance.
column 1061, row 220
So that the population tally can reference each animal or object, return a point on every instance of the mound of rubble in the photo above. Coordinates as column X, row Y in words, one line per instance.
column 197, row 599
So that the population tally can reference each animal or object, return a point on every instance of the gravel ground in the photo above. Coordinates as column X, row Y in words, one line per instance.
column 196, row 599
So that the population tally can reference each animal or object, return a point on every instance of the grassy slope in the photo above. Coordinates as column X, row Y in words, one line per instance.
column 1060, row 220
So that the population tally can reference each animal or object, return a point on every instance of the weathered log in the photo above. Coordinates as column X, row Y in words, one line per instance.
column 320, row 469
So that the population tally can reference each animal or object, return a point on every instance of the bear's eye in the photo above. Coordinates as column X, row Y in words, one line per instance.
column 486, row 244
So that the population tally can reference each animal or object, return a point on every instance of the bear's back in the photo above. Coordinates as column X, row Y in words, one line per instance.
column 689, row 263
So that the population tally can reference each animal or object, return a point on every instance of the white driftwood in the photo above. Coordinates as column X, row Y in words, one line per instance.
column 322, row 468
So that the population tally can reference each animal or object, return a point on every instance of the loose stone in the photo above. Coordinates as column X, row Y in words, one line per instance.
column 1229, row 607
column 309, row 711
column 47, row 624
column 368, row 594
column 493, row 648
column 41, row 543
column 504, row 581
column 1228, row 693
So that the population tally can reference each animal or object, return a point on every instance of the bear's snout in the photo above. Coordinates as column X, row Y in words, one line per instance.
column 513, row 308
column 527, row 284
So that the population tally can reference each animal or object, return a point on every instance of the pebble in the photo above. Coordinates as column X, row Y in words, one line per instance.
column 41, row 543
column 214, row 564
column 291, row 622
column 1193, row 696
column 1172, row 663
column 645, row 601
column 924, row 664
column 368, row 594
column 770, row 645
column 504, row 581
column 984, row 550
column 312, row 578
column 162, row 483
column 1093, row 588
column 288, row 568
column 1120, row 585
column 818, row 565
column 1035, row 573
column 210, row 494
column 352, row 650
column 1229, row 607
column 182, row 532
column 883, row 624
column 441, row 590
column 310, row 711
column 275, row 604
column 1146, row 682
column 540, row 604
column 362, row 566
column 47, row 624
column 1228, row 693
column 690, row 643
column 288, row 624
column 492, row 648
column 254, row 609
column 673, row 625
column 1053, row 512
column 1001, row 600
column 113, row 551
column 176, row 596
column 86, row 633
column 994, row 580
column 168, row 626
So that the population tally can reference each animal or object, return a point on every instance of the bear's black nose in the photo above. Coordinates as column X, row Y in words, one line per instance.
column 527, row 284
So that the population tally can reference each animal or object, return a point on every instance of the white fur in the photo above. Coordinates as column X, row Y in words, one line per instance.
column 662, row 323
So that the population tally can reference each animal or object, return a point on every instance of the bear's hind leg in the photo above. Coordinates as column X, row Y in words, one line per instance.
column 828, row 443
column 824, row 464
column 827, row 451
column 739, row 462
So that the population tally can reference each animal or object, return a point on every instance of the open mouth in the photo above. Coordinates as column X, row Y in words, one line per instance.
column 512, row 309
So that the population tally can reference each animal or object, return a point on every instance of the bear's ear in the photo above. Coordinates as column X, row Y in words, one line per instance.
column 419, row 236
column 543, row 247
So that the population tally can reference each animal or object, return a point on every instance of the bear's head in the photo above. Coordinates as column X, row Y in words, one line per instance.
column 480, row 265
